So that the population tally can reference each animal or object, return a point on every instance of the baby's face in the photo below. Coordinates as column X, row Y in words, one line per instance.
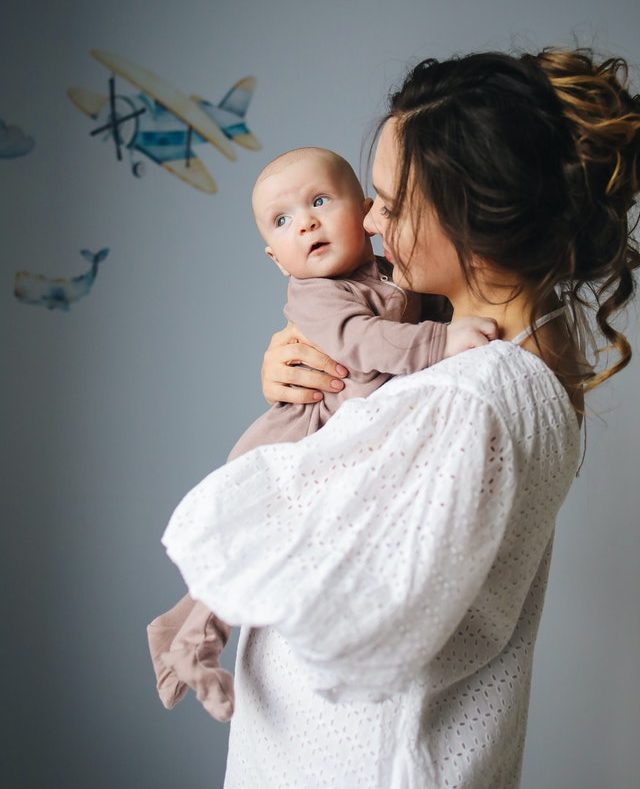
column 311, row 219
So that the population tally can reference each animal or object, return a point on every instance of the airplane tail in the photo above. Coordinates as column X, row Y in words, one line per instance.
column 236, row 101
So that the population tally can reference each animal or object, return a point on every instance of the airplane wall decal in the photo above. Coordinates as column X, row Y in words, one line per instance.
column 164, row 124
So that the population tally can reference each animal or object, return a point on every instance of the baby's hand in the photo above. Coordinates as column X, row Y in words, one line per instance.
column 471, row 332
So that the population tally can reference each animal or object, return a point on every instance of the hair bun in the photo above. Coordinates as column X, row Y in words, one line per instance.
column 602, row 179
column 603, row 117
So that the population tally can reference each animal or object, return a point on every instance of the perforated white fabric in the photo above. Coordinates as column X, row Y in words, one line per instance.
column 388, row 572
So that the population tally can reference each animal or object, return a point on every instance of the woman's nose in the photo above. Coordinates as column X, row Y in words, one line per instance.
column 369, row 224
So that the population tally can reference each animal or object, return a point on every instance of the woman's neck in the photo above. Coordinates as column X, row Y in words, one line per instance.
column 553, row 345
column 512, row 316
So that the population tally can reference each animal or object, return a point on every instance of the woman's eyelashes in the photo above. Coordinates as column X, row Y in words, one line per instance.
column 382, row 209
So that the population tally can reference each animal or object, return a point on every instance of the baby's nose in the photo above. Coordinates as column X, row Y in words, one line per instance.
column 308, row 222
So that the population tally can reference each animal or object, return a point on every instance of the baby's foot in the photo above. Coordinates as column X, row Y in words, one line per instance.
column 193, row 662
column 161, row 634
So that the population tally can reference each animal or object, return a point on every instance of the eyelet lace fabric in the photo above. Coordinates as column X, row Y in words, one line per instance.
column 388, row 573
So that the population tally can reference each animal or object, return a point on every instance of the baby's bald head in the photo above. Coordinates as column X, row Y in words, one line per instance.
column 333, row 162
column 309, row 208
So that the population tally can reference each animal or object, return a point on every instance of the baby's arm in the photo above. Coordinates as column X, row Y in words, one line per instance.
column 333, row 317
column 338, row 320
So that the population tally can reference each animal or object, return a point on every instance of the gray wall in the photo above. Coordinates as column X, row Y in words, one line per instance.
column 112, row 411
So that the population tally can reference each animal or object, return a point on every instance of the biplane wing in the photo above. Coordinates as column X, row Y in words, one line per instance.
column 87, row 101
column 193, row 172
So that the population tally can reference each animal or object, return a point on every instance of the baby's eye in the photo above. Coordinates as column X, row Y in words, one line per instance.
column 281, row 220
column 320, row 200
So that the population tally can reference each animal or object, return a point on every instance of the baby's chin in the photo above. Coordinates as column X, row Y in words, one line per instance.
column 329, row 265
column 343, row 269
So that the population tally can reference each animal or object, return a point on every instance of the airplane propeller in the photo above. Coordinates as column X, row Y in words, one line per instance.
column 189, row 153
column 114, row 121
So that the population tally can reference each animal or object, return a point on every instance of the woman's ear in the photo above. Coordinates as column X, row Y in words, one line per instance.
column 270, row 254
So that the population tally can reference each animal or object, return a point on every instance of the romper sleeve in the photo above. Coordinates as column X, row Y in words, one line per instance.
column 363, row 544
column 335, row 319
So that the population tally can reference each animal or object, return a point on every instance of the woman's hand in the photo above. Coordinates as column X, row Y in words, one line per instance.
column 283, row 381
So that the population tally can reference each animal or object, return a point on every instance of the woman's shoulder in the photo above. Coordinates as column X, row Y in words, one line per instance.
column 509, row 379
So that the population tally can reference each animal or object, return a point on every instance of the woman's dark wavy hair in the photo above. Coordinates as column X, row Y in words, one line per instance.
column 531, row 163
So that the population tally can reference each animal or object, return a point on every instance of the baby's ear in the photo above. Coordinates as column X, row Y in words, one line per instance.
column 270, row 254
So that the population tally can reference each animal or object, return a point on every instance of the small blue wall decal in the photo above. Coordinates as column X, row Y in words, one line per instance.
column 58, row 293
column 14, row 142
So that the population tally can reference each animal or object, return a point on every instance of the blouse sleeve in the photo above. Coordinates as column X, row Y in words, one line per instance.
column 363, row 544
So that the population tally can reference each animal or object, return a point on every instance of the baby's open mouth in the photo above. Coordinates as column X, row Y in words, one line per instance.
column 318, row 245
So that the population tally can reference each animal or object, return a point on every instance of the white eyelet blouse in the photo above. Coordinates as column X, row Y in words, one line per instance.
column 388, row 573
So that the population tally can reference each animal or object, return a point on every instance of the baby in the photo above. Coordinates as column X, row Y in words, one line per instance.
column 309, row 207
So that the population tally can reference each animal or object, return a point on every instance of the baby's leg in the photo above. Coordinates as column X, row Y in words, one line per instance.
column 185, row 643
column 193, row 658
column 161, row 633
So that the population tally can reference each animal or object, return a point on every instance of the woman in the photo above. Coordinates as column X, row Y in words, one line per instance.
column 389, row 571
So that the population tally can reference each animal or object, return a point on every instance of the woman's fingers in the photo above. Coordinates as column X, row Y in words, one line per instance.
column 302, row 353
column 303, row 387
column 285, row 380
column 309, row 353
column 319, row 370
column 291, row 394
column 310, row 379
column 284, row 336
